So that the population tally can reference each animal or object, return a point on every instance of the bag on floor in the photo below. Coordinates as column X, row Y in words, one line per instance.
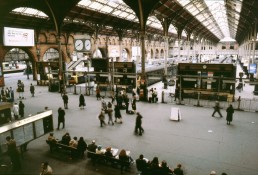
column 130, row 112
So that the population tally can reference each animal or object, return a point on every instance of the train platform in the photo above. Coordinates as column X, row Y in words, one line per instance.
column 199, row 142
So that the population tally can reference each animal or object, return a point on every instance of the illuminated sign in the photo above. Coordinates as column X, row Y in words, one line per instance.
column 18, row 37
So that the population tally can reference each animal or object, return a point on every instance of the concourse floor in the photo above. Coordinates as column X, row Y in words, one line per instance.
column 199, row 142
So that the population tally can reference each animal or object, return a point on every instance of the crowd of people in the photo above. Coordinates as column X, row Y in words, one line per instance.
column 7, row 94
column 112, row 110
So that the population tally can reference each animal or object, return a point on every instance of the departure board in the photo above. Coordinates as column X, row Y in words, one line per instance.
column 18, row 136
column 39, row 128
column 28, row 132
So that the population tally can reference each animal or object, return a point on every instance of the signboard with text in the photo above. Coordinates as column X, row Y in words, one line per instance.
column 18, row 37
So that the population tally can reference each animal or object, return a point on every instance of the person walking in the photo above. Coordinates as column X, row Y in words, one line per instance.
column 126, row 100
column 216, row 109
column 98, row 93
column 138, row 124
column 81, row 102
column 32, row 90
column 21, row 109
column 118, row 116
column 61, row 117
column 102, row 118
column 65, row 99
column 230, row 111
column 11, row 95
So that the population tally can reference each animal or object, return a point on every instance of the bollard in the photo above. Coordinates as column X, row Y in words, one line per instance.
column 198, row 100
column 162, row 97
column 74, row 89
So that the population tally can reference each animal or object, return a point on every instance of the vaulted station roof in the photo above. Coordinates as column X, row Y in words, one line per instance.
column 214, row 20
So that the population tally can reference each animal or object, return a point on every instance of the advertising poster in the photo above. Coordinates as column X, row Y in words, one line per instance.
column 252, row 68
column 18, row 37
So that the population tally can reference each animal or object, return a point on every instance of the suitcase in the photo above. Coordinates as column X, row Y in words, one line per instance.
column 130, row 112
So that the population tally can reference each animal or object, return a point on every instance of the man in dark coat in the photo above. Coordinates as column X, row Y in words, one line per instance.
column 141, row 164
column 126, row 100
column 230, row 111
column 138, row 124
column 32, row 90
column 21, row 109
column 81, row 102
column 13, row 153
column 61, row 117
column 65, row 99
column 81, row 147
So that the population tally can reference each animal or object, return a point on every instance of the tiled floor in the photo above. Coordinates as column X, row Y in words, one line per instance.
column 199, row 142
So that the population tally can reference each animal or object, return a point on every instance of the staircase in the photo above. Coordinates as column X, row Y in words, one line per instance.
column 76, row 63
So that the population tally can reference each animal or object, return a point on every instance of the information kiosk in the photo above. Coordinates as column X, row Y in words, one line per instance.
column 26, row 130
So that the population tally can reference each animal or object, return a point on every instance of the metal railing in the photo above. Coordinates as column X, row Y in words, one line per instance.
column 245, row 104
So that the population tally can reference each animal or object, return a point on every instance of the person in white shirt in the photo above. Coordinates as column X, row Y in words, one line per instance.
column 73, row 143
column 16, row 111
column 46, row 169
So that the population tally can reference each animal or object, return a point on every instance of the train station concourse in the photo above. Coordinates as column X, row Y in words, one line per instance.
column 161, row 68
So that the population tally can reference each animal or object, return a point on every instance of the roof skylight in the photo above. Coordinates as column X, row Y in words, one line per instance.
column 29, row 12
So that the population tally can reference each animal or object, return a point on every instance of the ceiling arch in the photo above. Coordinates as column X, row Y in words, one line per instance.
column 191, row 15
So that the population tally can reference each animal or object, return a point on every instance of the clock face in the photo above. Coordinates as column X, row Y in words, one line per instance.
column 87, row 44
column 78, row 45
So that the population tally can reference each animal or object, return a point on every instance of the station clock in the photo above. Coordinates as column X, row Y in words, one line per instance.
column 78, row 45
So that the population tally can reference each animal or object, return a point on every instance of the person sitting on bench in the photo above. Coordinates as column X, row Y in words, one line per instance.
column 66, row 139
column 108, row 152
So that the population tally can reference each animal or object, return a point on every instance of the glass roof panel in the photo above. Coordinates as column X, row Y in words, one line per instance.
column 84, row 3
column 130, row 17
column 107, row 9
column 123, row 14
column 184, row 2
column 112, row 7
column 117, row 12
column 218, row 10
column 154, row 22
column 29, row 12
column 184, row 33
column 208, row 12
column 96, row 5
column 172, row 29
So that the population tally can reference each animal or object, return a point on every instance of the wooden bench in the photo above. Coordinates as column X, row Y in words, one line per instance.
column 59, row 147
column 103, row 159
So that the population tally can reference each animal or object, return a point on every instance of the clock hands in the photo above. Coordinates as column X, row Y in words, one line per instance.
column 78, row 44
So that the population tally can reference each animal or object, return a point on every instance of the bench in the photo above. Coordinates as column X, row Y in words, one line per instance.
column 103, row 159
column 59, row 147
